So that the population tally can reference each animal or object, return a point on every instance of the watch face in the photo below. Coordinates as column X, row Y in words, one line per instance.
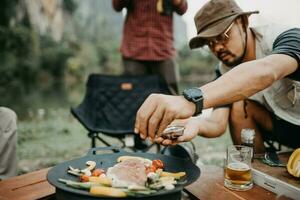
column 194, row 93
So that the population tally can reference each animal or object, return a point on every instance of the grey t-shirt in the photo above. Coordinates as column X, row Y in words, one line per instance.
column 288, row 43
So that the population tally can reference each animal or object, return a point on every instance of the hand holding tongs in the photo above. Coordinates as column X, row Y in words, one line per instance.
column 173, row 132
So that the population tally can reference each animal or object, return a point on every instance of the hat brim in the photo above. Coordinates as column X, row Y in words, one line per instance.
column 214, row 30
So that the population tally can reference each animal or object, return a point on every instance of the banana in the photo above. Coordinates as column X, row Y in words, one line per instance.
column 293, row 165
column 159, row 6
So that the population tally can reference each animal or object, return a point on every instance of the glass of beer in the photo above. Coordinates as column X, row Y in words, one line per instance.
column 238, row 168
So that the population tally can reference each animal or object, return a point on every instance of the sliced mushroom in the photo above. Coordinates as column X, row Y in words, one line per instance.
column 91, row 166
column 74, row 173
column 87, row 172
column 73, row 169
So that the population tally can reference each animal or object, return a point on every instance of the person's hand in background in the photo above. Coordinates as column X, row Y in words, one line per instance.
column 191, row 130
column 209, row 126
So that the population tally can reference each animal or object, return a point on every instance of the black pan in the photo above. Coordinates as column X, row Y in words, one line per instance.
column 104, row 161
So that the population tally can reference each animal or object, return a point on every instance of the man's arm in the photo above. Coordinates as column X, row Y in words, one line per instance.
column 216, row 124
column 118, row 5
column 247, row 79
column 180, row 6
column 158, row 111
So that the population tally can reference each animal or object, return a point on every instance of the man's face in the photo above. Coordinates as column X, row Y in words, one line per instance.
column 229, row 46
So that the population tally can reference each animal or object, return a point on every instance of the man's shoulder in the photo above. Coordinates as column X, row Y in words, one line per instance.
column 271, row 29
column 267, row 34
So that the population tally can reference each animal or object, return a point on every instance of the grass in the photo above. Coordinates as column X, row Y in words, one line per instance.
column 52, row 136
column 49, row 137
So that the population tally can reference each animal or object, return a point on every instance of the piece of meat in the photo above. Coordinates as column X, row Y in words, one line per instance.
column 130, row 172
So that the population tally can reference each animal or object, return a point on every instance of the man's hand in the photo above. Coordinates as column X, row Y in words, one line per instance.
column 192, row 127
column 158, row 111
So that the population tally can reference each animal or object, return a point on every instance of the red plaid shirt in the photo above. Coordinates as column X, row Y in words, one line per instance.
column 147, row 35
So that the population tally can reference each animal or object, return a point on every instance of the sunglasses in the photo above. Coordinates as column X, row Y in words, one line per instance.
column 220, row 39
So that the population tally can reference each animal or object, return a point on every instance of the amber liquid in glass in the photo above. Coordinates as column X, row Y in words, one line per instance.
column 238, row 173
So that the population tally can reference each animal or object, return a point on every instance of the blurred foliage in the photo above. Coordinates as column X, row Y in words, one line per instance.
column 69, row 5
column 196, row 61
column 20, row 58
column 7, row 10
column 196, row 67
column 36, row 69
column 30, row 64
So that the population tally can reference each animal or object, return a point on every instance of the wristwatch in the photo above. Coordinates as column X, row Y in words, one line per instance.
column 194, row 95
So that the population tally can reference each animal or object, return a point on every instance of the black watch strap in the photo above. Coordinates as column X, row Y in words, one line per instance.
column 199, row 107
column 195, row 95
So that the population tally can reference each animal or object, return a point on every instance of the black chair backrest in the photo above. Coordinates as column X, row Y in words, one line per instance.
column 111, row 102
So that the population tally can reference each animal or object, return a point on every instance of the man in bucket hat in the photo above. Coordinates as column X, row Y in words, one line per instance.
column 258, row 85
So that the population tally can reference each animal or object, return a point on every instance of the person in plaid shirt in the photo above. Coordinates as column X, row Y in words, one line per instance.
column 147, row 43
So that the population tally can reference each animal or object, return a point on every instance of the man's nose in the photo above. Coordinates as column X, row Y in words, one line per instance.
column 218, row 47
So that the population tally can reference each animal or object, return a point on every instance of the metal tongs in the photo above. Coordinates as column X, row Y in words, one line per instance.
column 173, row 132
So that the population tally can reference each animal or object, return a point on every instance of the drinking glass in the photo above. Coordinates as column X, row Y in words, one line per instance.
column 238, row 174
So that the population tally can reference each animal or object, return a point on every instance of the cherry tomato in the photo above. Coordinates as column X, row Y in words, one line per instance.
column 84, row 178
column 158, row 164
column 151, row 168
column 97, row 172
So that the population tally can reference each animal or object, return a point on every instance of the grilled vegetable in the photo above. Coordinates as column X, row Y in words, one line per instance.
column 156, row 185
column 102, row 180
column 95, row 179
column 158, row 164
column 79, row 185
column 74, row 173
column 98, row 172
column 146, row 161
column 293, row 165
column 150, row 169
column 177, row 175
column 153, row 177
column 91, row 165
column 107, row 191
column 131, row 192
column 84, row 178
column 137, row 188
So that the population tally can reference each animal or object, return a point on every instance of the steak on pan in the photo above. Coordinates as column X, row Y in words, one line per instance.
column 131, row 172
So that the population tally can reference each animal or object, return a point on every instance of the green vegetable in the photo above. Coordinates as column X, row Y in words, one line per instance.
column 78, row 185
column 137, row 192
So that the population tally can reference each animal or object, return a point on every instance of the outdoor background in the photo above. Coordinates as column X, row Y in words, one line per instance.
column 49, row 47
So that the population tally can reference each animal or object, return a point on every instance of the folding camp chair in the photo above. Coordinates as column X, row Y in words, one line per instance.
column 110, row 105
